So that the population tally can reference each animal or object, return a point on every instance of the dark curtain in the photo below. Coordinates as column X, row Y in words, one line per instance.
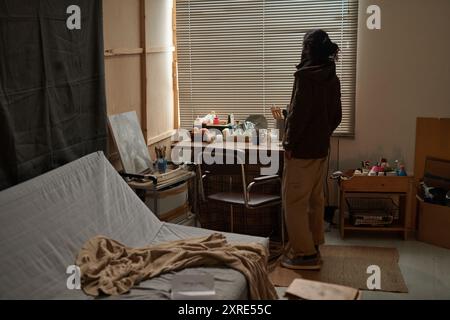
column 52, row 93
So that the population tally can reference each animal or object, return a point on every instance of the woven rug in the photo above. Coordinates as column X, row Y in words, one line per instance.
column 348, row 265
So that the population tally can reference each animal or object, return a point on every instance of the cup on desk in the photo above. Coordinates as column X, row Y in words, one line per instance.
column 280, row 125
column 263, row 136
column 162, row 165
column 274, row 135
column 255, row 137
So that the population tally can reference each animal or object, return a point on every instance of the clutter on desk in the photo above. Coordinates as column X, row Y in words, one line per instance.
column 202, row 134
column 400, row 169
column 436, row 195
column 259, row 121
column 208, row 129
column 161, row 160
column 210, row 119
column 216, row 120
column 381, row 168
column 231, row 119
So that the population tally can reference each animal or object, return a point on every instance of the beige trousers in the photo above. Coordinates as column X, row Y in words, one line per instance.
column 303, row 200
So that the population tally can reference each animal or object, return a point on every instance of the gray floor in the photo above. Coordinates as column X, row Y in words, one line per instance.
column 425, row 268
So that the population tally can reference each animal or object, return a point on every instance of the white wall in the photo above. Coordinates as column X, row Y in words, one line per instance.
column 403, row 72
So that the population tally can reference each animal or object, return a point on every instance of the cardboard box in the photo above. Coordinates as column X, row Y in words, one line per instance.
column 434, row 224
column 434, row 219
column 432, row 140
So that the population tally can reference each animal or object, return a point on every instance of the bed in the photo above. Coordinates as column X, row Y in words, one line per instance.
column 46, row 220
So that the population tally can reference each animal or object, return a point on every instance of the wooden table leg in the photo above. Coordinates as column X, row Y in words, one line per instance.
column 341, row 214
column 409, row 212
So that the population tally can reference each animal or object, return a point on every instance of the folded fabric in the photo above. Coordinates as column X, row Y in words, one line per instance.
column 111, row 268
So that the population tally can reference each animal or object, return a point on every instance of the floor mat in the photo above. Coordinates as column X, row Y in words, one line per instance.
column 348, row 265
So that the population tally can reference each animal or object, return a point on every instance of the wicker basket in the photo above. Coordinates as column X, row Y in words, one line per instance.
column 372, row 211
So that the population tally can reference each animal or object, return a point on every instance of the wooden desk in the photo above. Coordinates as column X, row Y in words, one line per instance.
column 376, row 186
column 214, row 215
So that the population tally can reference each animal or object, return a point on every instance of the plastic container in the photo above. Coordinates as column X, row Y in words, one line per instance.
column 198, row 123
column 162, row 165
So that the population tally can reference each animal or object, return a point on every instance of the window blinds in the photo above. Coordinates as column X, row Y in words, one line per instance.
column 239, row 56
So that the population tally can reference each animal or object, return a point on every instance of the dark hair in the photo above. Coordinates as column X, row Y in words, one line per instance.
column 318, row 48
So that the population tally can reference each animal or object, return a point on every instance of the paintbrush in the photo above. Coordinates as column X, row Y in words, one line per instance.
column 160, row 152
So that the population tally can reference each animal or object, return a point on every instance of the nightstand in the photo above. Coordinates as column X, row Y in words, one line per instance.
column 378, row 186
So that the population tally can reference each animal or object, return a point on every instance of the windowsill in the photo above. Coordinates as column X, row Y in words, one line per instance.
column 343, row 136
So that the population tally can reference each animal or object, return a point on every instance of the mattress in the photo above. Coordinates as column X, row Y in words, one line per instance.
column 46, row 220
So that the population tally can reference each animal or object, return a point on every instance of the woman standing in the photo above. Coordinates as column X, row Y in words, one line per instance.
column 314, row 113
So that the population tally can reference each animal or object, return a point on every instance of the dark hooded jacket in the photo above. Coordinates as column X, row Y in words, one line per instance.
column 314, row 112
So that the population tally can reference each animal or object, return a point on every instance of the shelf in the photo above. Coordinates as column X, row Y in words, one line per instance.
column 391, row 228
column 379, row 184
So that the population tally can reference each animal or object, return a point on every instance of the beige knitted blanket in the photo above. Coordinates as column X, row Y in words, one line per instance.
column 111, row 268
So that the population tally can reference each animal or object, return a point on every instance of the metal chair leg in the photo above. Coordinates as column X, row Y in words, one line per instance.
column 231, row 219
column 282, row 229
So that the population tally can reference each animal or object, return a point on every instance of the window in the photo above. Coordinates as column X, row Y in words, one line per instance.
column 239, row 56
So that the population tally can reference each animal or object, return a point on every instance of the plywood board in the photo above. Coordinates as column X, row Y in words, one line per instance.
column 121, row 24
column 123, row 84
column 138, row 61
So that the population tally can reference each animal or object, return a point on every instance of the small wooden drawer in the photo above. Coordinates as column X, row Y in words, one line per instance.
column 376, row 184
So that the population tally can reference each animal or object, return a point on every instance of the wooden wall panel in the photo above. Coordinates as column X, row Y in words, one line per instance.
column 121, row 24
column 124, row 55
column 139, row 66
column 123, row 84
